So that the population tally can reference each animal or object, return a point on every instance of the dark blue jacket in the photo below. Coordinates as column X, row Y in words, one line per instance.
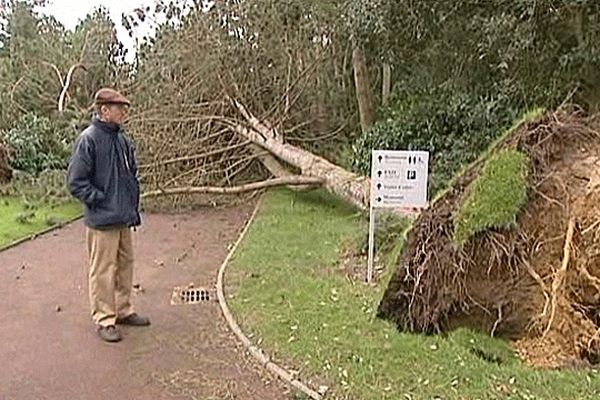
column 103, row 176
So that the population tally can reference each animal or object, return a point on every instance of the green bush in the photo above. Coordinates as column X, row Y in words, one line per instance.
column 495, row 197
column 38, row 144
column 453, row 126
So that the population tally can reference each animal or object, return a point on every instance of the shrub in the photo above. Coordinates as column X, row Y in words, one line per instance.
column 453, row 126
column 38, row 143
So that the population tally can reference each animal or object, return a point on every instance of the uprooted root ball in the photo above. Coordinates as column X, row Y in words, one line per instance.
column 537, row 282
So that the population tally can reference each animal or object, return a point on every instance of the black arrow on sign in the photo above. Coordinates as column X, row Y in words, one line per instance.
column 379, row 186
column 379, row 174
column 380, row 158
column 379, row 199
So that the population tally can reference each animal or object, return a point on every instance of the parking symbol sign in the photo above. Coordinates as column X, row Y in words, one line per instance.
column 399, row 178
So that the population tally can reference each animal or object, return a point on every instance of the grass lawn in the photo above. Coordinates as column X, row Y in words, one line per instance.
column 289, row 293
column 16, row 221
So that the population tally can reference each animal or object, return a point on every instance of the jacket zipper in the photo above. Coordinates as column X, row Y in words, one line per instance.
column 126, row 162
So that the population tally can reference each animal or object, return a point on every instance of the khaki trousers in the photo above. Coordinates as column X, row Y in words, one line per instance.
column 111, row 274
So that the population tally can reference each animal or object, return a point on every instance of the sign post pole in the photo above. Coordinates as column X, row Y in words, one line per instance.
column 398, row 180
column 371, row 244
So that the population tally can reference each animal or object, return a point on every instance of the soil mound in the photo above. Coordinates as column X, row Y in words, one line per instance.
column 538, row 283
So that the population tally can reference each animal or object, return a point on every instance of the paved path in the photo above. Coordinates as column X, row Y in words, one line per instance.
column 187, row 353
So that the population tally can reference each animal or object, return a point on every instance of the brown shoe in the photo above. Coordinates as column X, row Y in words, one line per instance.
column 134, row 320
column 110, row 333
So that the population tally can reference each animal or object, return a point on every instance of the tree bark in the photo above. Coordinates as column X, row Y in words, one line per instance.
column 349, row 186
column 363, row 89
column 5, row 170
column 276, row 168
column 67, row 83
column 386, row 89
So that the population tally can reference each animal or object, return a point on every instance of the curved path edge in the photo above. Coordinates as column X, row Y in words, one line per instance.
column 255, row 351
column 35, row 235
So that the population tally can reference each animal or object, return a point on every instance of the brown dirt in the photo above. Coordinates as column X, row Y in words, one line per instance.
column 513, row 283
column 187, row 353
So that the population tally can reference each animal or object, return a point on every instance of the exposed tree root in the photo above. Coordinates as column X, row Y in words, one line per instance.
column 560, row 275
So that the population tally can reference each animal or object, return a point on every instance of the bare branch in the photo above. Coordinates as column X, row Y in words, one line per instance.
column 55, row 68
column 250, row 187
column 195, row 156
column 67, row 83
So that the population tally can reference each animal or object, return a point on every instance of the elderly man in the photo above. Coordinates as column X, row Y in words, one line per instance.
column 103, row 176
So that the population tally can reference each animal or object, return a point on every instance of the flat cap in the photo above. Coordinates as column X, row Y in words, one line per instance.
column 109, row 96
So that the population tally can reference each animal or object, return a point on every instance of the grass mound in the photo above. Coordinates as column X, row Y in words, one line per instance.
column 536, row 281
column 496, row 196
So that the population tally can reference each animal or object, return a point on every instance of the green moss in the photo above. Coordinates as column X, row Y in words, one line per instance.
column 495, row 197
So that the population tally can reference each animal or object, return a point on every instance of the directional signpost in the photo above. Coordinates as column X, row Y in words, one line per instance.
column 398, row 180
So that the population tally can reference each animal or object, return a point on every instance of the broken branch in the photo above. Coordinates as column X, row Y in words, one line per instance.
column 65, row 89
column 250, row 187
column 195, row 156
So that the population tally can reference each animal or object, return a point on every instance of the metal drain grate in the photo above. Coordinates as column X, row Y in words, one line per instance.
column 186, row 295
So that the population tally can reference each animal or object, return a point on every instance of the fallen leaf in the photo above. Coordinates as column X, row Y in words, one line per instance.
column 323, row 389
column 503, row 389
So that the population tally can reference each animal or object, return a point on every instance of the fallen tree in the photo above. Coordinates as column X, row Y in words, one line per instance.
column 347, row 185
column 225, row 102
column 314, row 170
column 232, row 143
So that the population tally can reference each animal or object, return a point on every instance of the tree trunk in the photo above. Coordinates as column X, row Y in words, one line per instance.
column 276, row 168
column 386, row 89
column 580, row 22
column 349, row 186
column 5, row 170
column 363, row 89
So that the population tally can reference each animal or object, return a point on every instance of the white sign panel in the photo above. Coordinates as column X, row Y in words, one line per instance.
column 399, row 178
